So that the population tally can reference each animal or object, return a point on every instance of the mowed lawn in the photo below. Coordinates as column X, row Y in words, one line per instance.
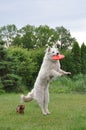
column 68, row 112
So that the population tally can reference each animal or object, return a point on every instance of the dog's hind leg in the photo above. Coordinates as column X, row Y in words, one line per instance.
column 46, row 100
column 41, row 105
column 27, row 98
column 40, row 100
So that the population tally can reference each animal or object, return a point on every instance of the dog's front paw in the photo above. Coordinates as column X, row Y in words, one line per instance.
column 68, row 73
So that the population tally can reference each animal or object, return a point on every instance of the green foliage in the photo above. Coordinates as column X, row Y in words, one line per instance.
column 65, row 37
column 22, row 65
column 76, row 54
column 12, row 83
column 25, row 64
column 19, row 66
column 65, row 85
column 79, row 83
column 67, row 63
column 34, row 37
column 37, row 57
column 7, row 33
column 1, row 87
column 9, row 81
column 17, row 41
column 75, row 59
column 45, row 36
column 3, row 65
column 61, row 85
column 83, row 58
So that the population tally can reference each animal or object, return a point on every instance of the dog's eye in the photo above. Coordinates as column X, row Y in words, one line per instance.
column 53, row 52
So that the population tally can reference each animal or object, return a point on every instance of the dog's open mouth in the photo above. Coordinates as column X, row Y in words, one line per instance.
column 58, row 57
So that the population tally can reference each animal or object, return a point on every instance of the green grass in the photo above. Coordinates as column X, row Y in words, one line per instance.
column 68, row 112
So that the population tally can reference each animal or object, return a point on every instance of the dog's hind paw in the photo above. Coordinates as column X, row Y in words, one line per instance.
column 48, row 113
column 44, row 113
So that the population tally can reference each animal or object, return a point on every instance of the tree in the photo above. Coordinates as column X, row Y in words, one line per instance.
column 28, row 40
column 9, row 81
column 28, row 36
column 45, row 36
column 17, row 41
column 7, row 33
column 76, row 54
column 22, row 65
column 83, row 58
column 3, row 64
column 65, row 37
column 68, row 62
column 25, row 37
column 34, row 37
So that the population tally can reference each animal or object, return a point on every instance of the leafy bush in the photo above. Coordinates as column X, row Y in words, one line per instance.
column 19, row 68
column 25, row 64
column 83, row 58
column 72, row 60
column 67, row 63
column 79, row 83
column 12, row 83
column 65, row 84
column 61, row 85
column 37, row 56
column 1, row 87
column 22, row 65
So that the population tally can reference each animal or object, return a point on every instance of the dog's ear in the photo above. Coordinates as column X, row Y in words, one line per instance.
column 48, row 49
column 54, row 45
column 57, row 44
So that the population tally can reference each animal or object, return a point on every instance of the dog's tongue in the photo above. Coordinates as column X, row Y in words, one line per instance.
column 58, row 57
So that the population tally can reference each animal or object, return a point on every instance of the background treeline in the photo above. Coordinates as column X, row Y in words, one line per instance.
column 34, row 37
column 22, row 51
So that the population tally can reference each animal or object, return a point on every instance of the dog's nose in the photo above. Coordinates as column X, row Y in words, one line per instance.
column 57, row 53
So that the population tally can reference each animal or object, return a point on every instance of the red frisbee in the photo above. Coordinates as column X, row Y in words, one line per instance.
column 58, row 57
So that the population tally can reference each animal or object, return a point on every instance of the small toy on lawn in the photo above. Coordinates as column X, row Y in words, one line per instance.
column 20, row 108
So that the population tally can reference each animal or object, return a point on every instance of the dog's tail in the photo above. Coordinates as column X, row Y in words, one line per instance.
column 29, row 96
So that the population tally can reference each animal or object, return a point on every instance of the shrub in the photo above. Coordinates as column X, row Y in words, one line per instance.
column 79, row 83
column 12, row 83
column 61, row 85
column 65, row 84
column 1, row 87
column 25, row 64
column 37, row 56
column 83, row 59
column 22, row 65
column 67, row 63
column 76, row 54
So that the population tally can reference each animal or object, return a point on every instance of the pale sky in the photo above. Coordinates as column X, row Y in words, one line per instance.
column 54, row 13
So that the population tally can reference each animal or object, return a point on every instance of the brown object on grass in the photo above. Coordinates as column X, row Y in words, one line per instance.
column 20, row 108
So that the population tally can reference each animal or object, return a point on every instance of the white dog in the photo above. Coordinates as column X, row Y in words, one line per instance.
column 49, row 69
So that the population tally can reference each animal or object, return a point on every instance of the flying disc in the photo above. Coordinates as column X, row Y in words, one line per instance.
column 58, row 57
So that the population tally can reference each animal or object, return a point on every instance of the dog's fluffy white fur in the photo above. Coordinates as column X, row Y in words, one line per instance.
column 49, row 69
